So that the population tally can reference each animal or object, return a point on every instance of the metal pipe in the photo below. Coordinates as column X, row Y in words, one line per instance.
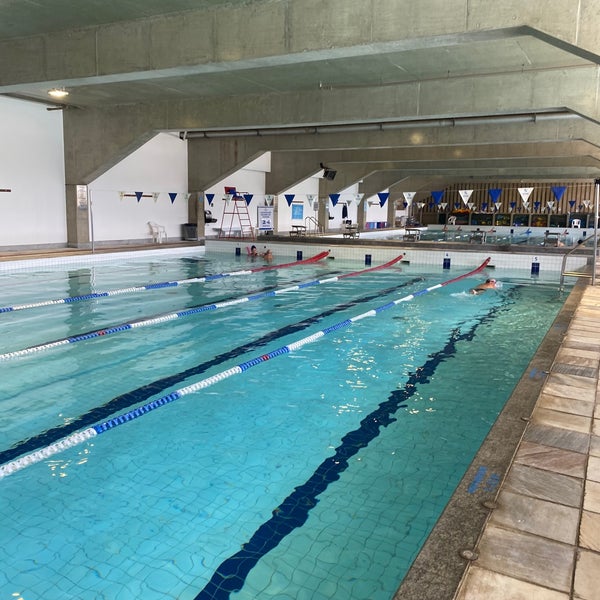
column 379, row 125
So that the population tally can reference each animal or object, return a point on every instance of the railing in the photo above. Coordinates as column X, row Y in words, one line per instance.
column 564, row 273
column 310, row 222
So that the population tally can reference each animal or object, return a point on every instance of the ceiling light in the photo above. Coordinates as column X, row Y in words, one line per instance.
column 58, row 93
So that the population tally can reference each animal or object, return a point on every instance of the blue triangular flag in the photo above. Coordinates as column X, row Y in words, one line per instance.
column 495, row 194
column 383, row 196
column 558, row 191
column 437, row 196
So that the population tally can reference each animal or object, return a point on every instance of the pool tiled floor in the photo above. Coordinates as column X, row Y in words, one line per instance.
column 542, row 541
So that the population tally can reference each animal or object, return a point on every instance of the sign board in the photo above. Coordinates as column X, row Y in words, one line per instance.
column 265, row 218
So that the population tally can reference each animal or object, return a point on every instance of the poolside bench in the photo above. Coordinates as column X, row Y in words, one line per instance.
column 298, row 230
column 351, row 231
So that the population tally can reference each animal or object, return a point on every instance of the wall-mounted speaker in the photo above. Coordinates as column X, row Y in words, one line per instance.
column 329, row 174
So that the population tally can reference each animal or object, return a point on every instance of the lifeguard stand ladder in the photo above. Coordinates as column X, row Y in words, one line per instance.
column 236, row 220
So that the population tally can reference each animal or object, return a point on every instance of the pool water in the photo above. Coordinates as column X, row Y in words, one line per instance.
column 316, row 474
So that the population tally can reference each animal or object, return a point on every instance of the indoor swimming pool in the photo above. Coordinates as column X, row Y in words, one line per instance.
column 328, row 413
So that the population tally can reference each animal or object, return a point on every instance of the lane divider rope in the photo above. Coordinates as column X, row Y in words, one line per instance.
column 161, row 285
column 79, row 437
column 164, row 318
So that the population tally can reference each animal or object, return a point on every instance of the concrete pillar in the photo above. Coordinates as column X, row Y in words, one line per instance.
column 78, row 216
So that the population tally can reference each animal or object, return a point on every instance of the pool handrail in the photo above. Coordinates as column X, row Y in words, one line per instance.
column 564, row 273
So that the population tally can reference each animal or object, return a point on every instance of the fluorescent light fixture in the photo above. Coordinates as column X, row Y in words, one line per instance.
column 58, row 93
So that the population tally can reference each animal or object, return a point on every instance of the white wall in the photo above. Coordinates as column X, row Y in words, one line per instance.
column 33, row 213
column 32, row 167
column 249, row 180
column 158, row 167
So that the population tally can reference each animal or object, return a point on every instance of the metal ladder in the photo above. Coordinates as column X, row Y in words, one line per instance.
column 236, row 220
column 564, row 273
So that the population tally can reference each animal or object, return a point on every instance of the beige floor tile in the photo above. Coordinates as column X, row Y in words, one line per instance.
column 591, row 498
column 593, row 470
column 527, row 557
column 583, row 335
column 568, row 391
column 596, row 427
column 572, row 381
column 586, row 576
column 558, row 438
column 568, row 405
column 552, row 459
column 481, row 584
column 589, row 531
column 555, row 418
column 546, row 519
column 586, row 358
column 544, row 485
column 595, row 444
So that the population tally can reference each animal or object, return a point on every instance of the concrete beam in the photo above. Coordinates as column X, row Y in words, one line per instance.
column 209, row 161
column 210, row 39
column 289, row 169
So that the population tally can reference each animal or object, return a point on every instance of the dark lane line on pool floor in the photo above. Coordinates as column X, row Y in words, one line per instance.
column 293, row 512
column 141, row 394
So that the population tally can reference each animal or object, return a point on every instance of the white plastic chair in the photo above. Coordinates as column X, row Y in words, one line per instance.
column 576, row 223
column 452, row 220
column 158, row 232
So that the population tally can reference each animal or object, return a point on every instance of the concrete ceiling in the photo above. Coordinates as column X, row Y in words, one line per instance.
column 469, row 60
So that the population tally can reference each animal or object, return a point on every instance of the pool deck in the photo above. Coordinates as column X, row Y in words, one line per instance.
column 525, row 523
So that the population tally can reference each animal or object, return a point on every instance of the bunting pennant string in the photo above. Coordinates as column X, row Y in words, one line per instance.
column 383, row 198
column 465, row 195
column 558, row 191
column 437, row 196
column 525, row 193
column 408, row 198
column 210, row 198
column 248, row 198
column 495, row 194
column 139, row 195
column 289, row 198
column 334, row 198
column 172, row 195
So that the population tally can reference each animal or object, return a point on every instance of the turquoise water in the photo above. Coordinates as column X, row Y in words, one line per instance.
column 316, row 474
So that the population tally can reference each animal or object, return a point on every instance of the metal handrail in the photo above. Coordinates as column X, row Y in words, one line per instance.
column 309, row 220
column 566, row 255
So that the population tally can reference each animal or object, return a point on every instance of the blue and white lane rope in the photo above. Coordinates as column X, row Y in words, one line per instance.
column 87, row 434
column 157, row 286
column 164, row 318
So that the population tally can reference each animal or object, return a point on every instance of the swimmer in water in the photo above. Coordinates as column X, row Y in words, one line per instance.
column 488, row 284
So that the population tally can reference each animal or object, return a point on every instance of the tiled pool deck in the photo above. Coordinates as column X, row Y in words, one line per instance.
column 536, row 535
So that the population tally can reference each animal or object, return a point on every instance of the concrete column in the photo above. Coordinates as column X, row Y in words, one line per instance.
column 78, row 217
